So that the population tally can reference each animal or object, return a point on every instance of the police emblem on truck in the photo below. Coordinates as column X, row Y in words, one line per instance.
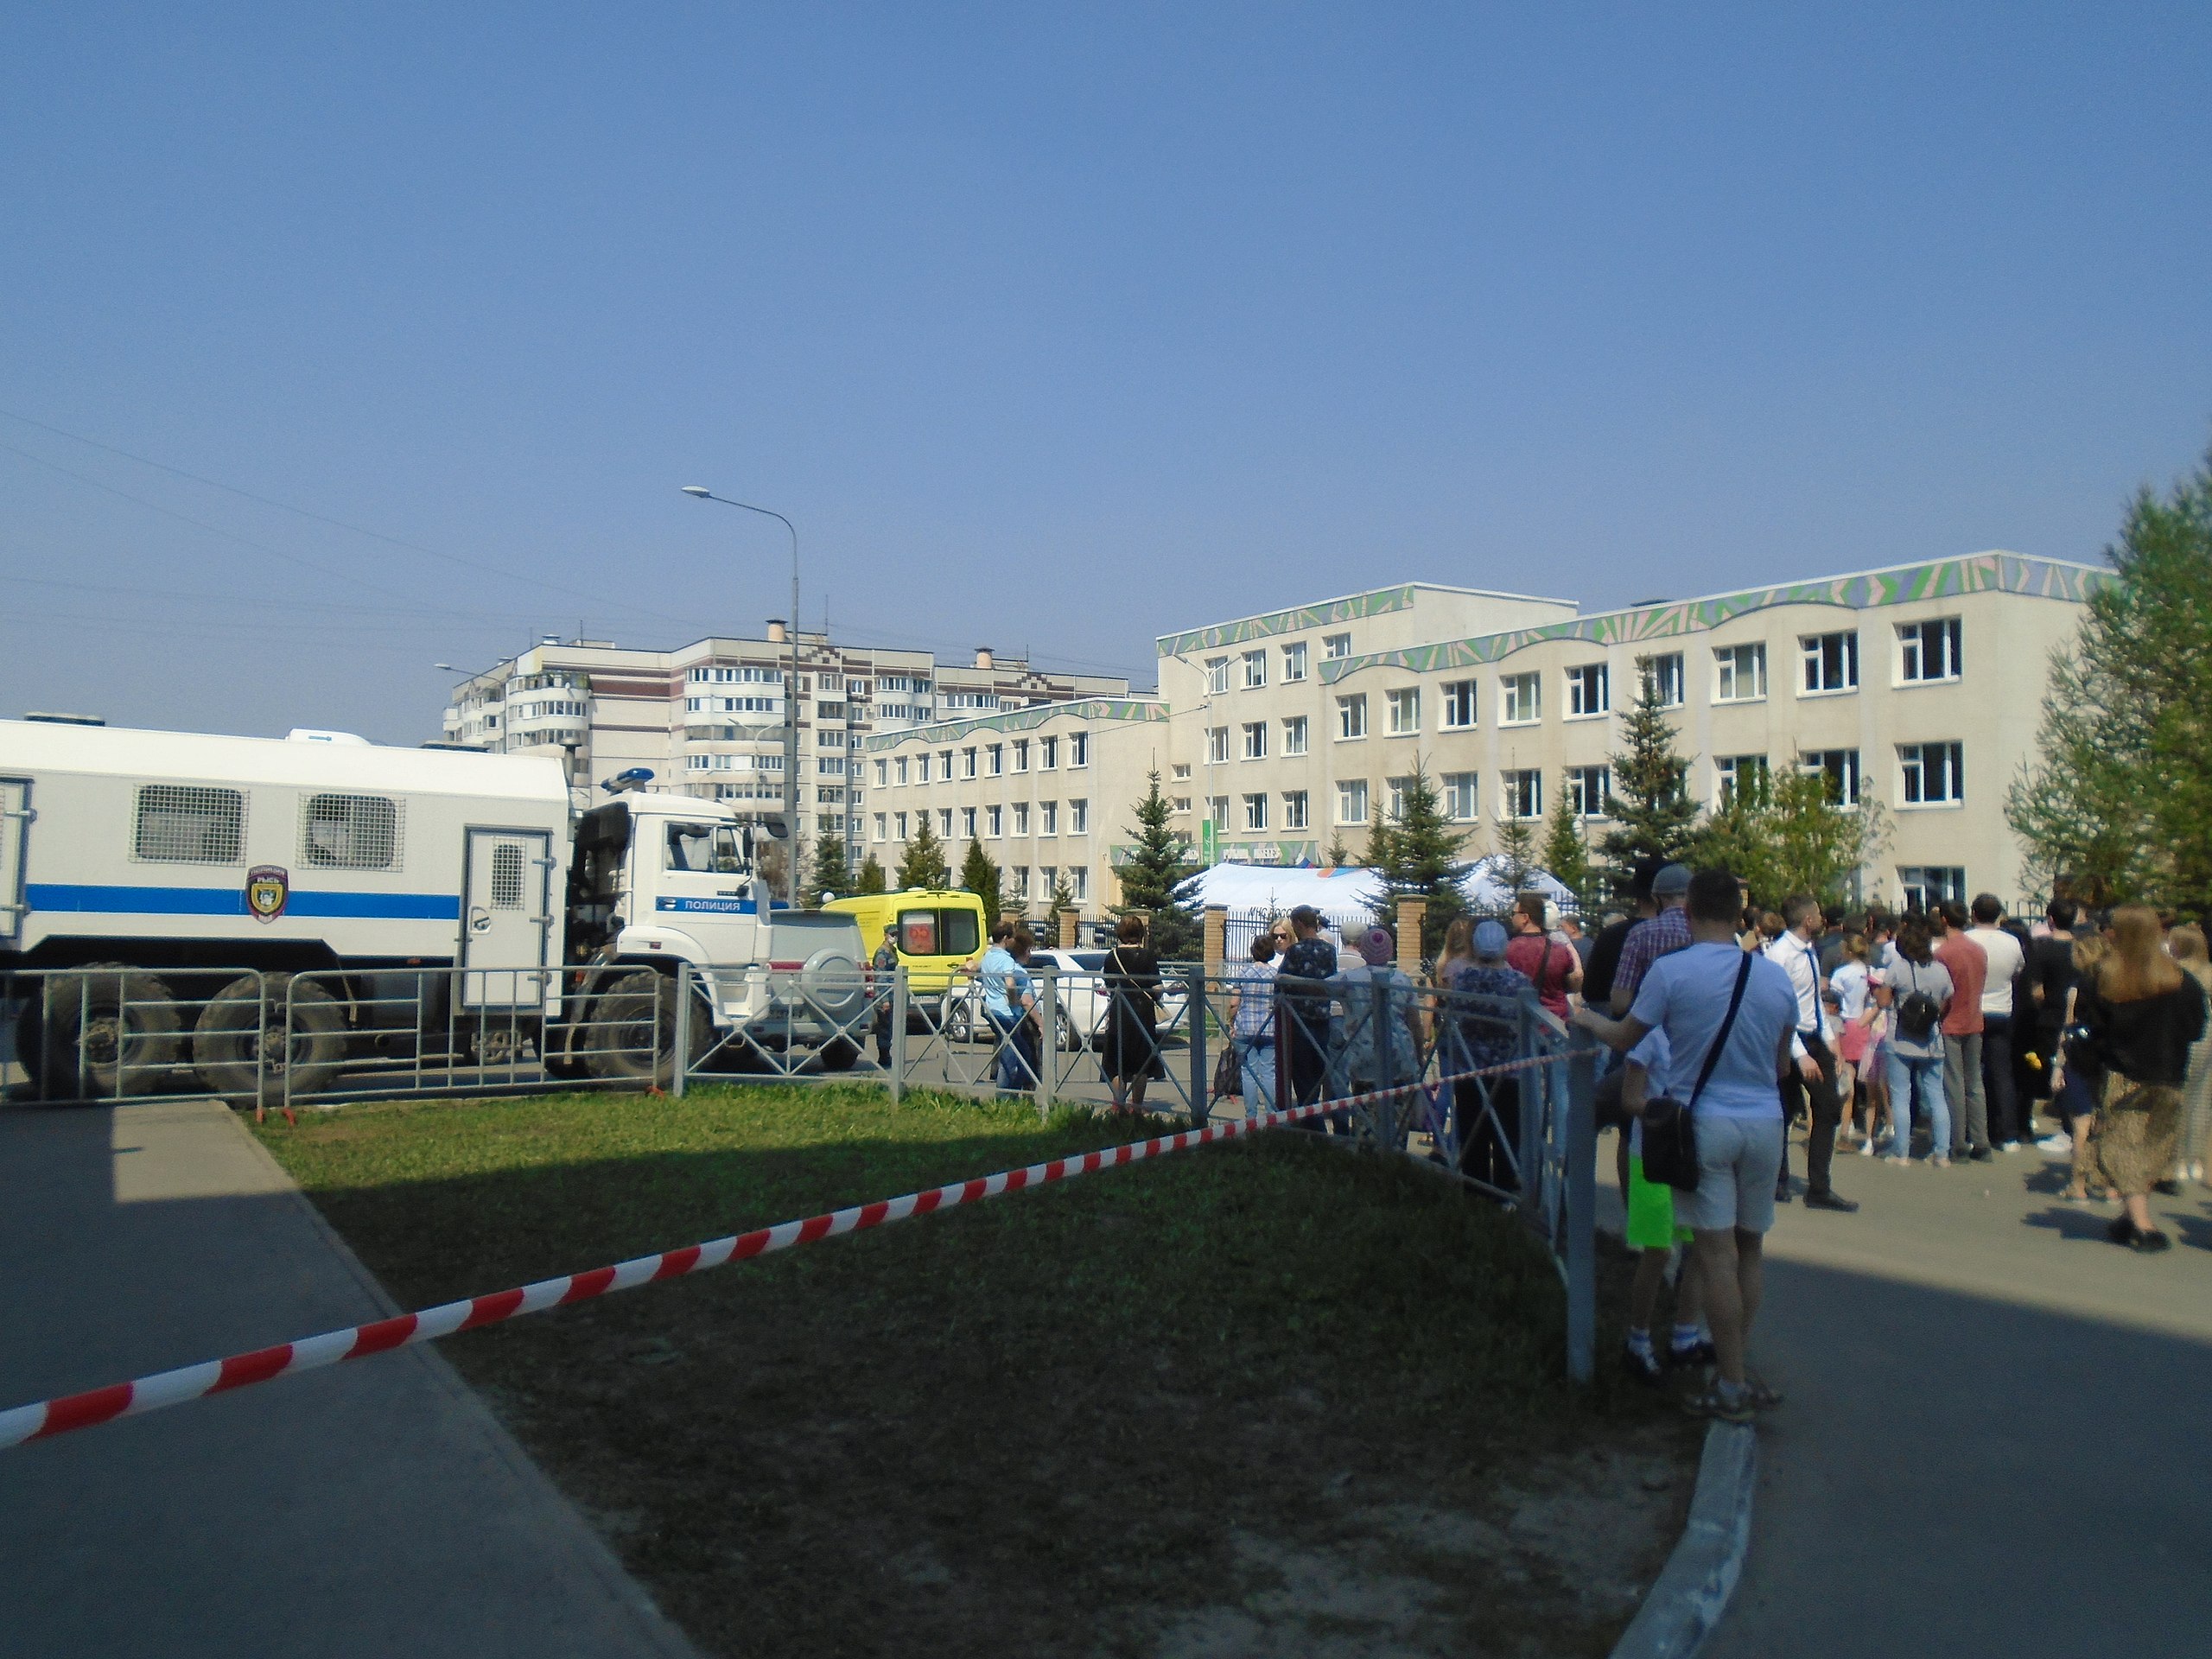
column 268, row 890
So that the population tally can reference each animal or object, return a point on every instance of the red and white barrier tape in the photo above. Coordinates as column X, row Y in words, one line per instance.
column 47, row 1417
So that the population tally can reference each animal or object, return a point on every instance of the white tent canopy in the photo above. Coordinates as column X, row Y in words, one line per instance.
column 1268, row 888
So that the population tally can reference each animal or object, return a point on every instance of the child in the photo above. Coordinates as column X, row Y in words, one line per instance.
column 1652, row 1233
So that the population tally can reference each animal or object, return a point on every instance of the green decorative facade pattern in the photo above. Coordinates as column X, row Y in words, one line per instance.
column 1023, row 720
column 1379, row 602
column 1980, row 573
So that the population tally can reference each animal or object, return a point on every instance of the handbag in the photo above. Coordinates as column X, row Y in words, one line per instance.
column 1670, row 1126
column 1228, row 1073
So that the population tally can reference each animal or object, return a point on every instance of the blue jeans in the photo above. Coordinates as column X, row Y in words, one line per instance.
column 1256, row 1062
column 1017, row 1073
column 1903, row 1071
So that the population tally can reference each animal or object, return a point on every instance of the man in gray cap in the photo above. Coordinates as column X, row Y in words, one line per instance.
column 1664, row 934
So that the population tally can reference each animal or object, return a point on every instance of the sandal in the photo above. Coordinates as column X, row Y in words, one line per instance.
column 1709, row 1401
column 1759, row 1395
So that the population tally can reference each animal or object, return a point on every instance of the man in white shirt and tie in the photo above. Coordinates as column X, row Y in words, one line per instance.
column 1812, row 1077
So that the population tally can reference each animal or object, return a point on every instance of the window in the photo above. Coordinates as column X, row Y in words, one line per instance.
column 1831, row 662
column 968, row 823
column 1048, row 754
column 1841, row 768
column 1522, row 698
column 1048, row 877
column 1049, row 813
column 1663, row 674
column 1021, row 755
column 183, row 823
column 1739, row 673
column 899, row 824
column 995, row 821
column 1336, row 646
column 1255, row 811
column 1589, row 689
column 1928, row 651
column 944, row 823
column 1217, row 745
column 1079, row 748
column 882, row 825
column 1294, row 735
column 967, row 764
column 830, row 765
column 899, row 769
column 1216, row 675
column 1405, row 711
column 1294, row 809
column 1398, row 788
column 1928, row 884
column 1256, row 670
column 1217, row 810
column 1078, row 882
column 1521, row 794
column 1586, row 788
column 1458, row 705
column 1181, row 771
column 1731, row 772
column 1255, row 739
column 945, row 764
column 1182, row 804
column 994, row 759
column 1934, row 774
column 349, row 832
column 1461, row 803
column 506, row 876
column 1021, row 818
column 1294, row 662
column 836, row 741
column 1351, row 800
column 921, row 761
column 882, row 774
column 1352, row 717
column 1021, row 874
column 1078, row 817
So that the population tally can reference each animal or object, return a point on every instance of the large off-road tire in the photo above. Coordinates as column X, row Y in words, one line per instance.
column 246, row 1016
column 630, row 1032
column 110, row 1031
column 839, row 1055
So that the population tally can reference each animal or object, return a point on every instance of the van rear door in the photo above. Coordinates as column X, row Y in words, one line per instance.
column 15, row 842
column 506, row 924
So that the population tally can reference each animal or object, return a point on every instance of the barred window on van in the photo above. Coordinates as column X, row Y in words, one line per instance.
column 186, row 823
column 349, row 832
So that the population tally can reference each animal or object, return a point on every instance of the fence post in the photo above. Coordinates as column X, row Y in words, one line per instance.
column 1531, row 1086
column 1048, row 1064
column 1201, row 1073
column 1385, row 1051
column 1070, row 922
column 683, row 1066
column 898, row 1034
column 1214, row 950
column 1581, row 1208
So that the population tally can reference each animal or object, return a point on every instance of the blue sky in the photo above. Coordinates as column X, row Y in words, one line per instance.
column 1051, row 327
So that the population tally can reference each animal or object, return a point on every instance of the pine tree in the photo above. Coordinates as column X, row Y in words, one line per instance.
column 1567, row 858
column 2116, row 803
column 1514, row 850
column 982, row 877
column 829, row 875
column 1648, row 798
column 1336, row 854
column 1158, row 879
column 923, row 864
column 1062, row 897
column 1417, row 855
column 870, row 879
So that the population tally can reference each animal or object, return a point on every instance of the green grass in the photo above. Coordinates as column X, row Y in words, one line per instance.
column 1036, row 1424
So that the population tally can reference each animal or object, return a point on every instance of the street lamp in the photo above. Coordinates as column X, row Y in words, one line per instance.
column 700, row 491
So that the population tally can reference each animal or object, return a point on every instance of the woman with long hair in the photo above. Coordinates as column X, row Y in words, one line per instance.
column 1128, row 1047
column 1915, row 991
column 2076, row 1080
column 2141, row 1015
column 2188, row 943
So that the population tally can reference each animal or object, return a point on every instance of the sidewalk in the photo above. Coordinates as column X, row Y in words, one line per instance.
column 375, row 1508
column 1997, row 1438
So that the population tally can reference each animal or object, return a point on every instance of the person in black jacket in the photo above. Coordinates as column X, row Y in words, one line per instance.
column 2139, row 1014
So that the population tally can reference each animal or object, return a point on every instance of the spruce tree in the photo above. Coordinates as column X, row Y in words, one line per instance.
column 1514, row 847
column 1567, row 858
column 923, row 864
column 982, row 877
column 1158, row 881
column 1417, row 855
column 870, row 879
column 1062, row 898
column 1336, row 854
column 828, row 873
column 1648, row 798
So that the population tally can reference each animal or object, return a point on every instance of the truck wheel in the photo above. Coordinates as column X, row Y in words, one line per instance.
column 227, row 1047
column 838, row 1055
column 630, row 1035
column 114, row 1024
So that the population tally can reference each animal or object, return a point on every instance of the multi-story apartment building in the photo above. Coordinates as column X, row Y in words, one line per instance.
column 709, row 718
column 1919, row 686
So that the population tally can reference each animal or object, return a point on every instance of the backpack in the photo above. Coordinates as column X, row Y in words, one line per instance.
column 1918, row 1013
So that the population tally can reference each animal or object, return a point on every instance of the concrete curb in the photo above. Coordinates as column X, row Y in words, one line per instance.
column 1683, row 1608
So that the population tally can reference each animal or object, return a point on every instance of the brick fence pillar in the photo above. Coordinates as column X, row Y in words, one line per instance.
column 1411, row 913
column 1067, row 930
column 1217, row 936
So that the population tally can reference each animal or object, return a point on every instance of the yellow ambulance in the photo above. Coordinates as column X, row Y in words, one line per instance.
column 939, row 929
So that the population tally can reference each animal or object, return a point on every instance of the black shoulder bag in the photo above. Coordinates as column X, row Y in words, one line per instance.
column 1670, row 1126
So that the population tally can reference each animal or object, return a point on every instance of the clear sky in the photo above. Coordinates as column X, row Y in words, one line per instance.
column 1053, row 327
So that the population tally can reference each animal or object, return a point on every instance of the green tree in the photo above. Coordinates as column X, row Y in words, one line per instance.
column 1336, row 854
column 1417, row 855
column 1647, row 796
column 870, row 879
column 1514, row 849
column 1566, row 857
column 1737, row 836
column 827, row 876
column 1158, row 879
column 979, row 876
column 1791, row 834
column 1061, row 897
column 923, row 864
column 2115, row 804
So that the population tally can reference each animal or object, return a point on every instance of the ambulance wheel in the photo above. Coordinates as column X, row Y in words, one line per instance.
column 112, row 1026
column 839, row 1054
column 631, row 1036
column 227, row 1047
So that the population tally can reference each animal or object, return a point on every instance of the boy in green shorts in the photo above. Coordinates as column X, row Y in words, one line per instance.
column 1652, row 1231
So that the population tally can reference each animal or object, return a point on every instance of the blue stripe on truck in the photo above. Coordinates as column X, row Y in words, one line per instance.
column 230, row 901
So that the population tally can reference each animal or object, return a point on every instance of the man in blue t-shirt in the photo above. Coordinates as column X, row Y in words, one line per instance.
column 1738, row 1115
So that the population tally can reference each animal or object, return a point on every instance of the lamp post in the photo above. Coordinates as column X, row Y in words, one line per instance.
column 791, row 688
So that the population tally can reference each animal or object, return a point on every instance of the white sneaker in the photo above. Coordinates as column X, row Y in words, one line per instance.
column 2056, row 1143
column 1867, row 1148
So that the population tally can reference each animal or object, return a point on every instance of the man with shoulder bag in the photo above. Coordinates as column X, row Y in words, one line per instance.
column 1737, row 1012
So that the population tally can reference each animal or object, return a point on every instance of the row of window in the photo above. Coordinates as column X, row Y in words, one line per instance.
column 190, row 824
column 1251, row 667
column 991, row 757
column 993, row 821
